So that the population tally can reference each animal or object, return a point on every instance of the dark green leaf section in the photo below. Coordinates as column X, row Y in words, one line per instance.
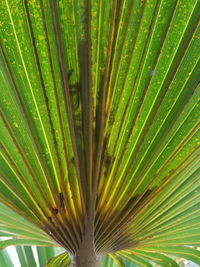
column 22, row 255
column 30, row 257
column 99, row 119
column 150, row 175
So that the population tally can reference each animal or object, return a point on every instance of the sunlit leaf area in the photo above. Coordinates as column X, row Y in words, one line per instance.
column 99, row 133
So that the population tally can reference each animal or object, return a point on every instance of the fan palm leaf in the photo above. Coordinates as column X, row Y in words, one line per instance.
column 100, row 134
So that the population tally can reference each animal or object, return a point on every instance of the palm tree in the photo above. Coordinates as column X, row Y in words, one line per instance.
column 100, row 129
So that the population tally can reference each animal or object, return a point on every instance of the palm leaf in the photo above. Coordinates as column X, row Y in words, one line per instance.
column 5, row 259
column 99, row 139
column 28, row 257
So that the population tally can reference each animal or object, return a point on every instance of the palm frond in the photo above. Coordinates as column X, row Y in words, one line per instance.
column 99, row 119
column 28, row 256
